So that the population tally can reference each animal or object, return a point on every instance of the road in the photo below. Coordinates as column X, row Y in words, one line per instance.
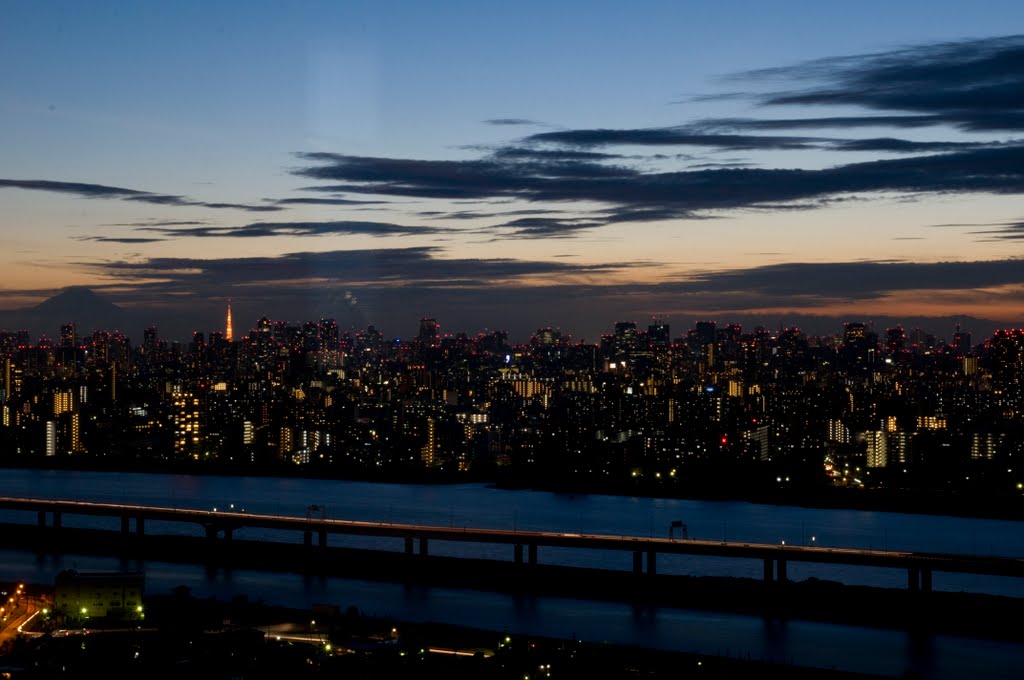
column 230, row 521
column 18, row 622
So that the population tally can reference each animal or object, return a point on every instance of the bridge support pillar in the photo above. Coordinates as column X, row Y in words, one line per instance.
column 307, row 539
column 323, row 538
column 211, row 532
column 518, row 552
column 913, row 579
column 140, row 526
column 124, row 524
column 41, row 518
column 56, row 520
column 408, row 545
column 638, row 562
column 782, row 571
column 229, row 533
column 533, row 553
column 769, row 570
column 652, row 563
column 926, row 580
column 423, row 546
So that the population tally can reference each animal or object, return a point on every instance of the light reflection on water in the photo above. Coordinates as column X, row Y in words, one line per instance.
column 471, row 505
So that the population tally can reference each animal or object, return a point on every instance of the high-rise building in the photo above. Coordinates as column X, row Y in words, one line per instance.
column 63, row 402
column 624, row 340
column 68, row 335
column 428, row 334
column 187, row 437
column 658, row 335
column 895, row 339
column 878, row 449
column 8, row 369
column 51, row 437
column 428, row 454
column 150, row 343
column 900, row 447
column 961, row 341
column 705, row 333
column 984, row 445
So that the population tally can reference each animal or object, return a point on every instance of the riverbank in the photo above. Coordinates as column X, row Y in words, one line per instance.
column 716, row 488
column 240, row 638
column 954, row 613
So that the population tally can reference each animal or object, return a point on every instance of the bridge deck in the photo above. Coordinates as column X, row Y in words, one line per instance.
column 968, row 564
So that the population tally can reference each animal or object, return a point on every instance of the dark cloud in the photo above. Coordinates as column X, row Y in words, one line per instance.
column 547, row 227
column 672, row 136
column 848, row 281
column 511, row 121
column 333, row 228
column 826, row 122
column 399, row 267
column 702, row 135
column 893, row 145
column 993, row 231
column 393, row 287
column 994, row 169
column 118, row 239
column 487, row 178
column 530, row 153
column 158, row 223
column 102, row 191
column 325, row 201
column 975, row 85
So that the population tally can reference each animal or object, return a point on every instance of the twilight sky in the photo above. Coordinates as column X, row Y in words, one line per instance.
column 514, row 165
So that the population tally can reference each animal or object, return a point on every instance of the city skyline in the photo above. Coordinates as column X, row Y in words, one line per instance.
column 86, row 313
column 537, row 167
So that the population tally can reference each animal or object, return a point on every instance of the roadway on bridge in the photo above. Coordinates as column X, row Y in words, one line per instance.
column 233, row 521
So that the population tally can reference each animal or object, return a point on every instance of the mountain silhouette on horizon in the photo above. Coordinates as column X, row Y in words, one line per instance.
column 88, row 310
column 76, row 301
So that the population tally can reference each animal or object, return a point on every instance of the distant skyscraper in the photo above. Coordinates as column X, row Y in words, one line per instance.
column 228, row 334
column 624, row 340
column 853, row 331
column 658, row 335
column 705, row 333
column 150, row 343
column 68, row 336
column 961, row 341
column 429, row 332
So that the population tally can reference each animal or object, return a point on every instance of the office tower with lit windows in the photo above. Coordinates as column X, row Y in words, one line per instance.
column 429, row 332
column 68, row 335
column 186, row 420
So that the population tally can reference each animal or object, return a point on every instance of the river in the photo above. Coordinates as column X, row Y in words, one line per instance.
column 474, row 505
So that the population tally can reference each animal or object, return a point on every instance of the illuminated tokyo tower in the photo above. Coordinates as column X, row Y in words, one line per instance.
column 227, row 331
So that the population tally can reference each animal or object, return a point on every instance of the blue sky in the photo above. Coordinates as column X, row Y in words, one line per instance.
column 513, row 164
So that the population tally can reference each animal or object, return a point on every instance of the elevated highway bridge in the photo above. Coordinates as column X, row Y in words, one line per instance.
column 220, row 526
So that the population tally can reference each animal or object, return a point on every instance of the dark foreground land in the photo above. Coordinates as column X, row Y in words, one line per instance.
column 185, row 637
column 967, row 614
